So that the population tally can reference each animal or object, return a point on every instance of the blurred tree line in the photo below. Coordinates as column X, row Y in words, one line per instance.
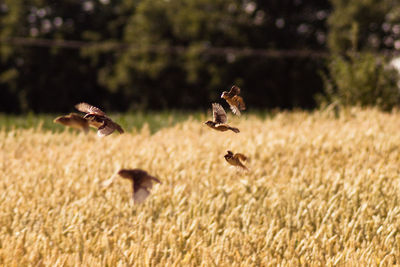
column 181, row 54
column 364, row 36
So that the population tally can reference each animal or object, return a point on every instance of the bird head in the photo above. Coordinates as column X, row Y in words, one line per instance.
column 61, row 119
column 229, row 155
column 209, row 123
column 125, row 173
column 224, row 95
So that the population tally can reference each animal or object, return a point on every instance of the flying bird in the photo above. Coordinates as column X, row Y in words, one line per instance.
column 235, row 101
column 98, row 119
column 73, row 120
column 142, row 183
column 236, row 159
column 219, row 119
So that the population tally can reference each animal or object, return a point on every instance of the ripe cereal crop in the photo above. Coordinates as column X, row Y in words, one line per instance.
column 319, row 191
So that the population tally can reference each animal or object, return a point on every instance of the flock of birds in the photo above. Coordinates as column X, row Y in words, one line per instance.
column 142, row 181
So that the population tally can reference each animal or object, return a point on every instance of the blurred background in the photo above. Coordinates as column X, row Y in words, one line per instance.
column 125, row 55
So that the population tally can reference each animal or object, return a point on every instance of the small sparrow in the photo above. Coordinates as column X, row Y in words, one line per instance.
column 73, row 120
column 142, row 183
column 236, row 159
column 219, row 119
column 98, row 119
column 234, row 100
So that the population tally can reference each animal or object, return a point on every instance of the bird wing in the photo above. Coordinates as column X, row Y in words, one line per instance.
column 240, row 157
column 105, row 129
column 86, row 108
column 79, row 118
column 234, row 90
column 239, row 102
column 140, row 194
column 73, row 120
column 76, row 116
column 234, row 108
column 219, row 114
column 147, row 181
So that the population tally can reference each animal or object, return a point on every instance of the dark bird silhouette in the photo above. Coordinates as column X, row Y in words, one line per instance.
column 235, row 101
column 236, row 159
column 142, row 183
column 219, row 119
column 98, row 119
column 73, row 120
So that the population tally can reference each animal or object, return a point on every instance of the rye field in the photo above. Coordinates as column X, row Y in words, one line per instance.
column 321, row 191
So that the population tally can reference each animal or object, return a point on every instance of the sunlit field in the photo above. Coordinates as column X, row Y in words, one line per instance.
column 321, row 191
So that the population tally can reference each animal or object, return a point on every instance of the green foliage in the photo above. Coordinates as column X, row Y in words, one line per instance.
column 361, row 79
column 52, row 79
column 170, row 56
column 356, row 20
column 153, row 64
column 363, row 24
column 358, row 31
column 167, row 59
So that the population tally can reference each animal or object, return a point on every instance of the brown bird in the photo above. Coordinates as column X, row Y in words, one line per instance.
column 142, row 183
column 73, row 120
column 219, row 119
column 236, row 159
column 98, row 119
column 234, row 100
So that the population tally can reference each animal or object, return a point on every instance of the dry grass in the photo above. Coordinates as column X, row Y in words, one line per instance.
column 321, row 192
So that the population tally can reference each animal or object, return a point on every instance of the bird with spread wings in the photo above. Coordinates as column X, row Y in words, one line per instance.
column 219, row 120
column 236, row 159
column 98, row 119
column 142, row 183
column 234, row 100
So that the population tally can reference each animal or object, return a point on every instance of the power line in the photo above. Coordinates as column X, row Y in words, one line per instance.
column 118, row 46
